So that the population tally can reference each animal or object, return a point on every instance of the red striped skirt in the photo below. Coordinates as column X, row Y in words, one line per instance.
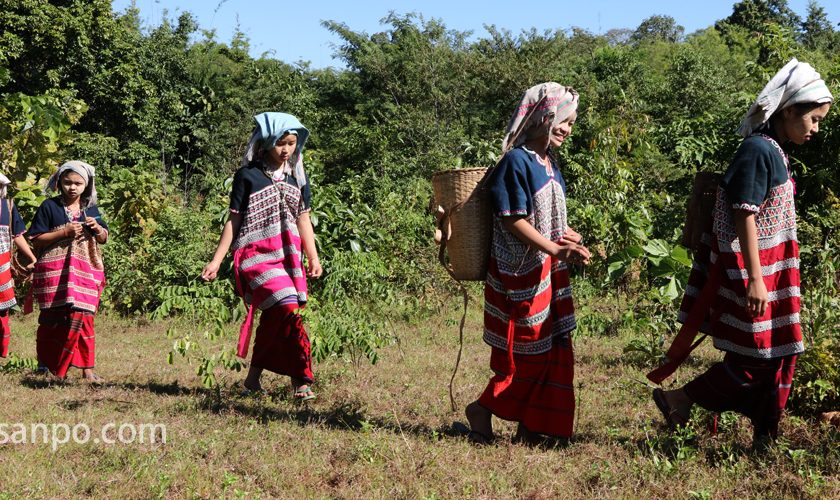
column 541, row 395
column 281, row 343
column 756, row 388
column 65, row 338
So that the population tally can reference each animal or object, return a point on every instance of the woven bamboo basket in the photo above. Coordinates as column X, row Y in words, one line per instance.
column 469, row 213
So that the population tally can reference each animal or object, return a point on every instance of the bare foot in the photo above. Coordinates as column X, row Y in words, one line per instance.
column 523, row 435
column 481, row 425
column 252, row 380
column 88, row 375
column 675, row 406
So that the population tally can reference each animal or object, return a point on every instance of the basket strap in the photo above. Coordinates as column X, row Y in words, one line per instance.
column 444, row 227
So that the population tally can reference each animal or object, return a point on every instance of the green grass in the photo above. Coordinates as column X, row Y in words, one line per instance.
column 382, row 431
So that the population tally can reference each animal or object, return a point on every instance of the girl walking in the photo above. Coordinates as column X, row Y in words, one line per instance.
column 270, row 231
column 11, row 232
column 750, row 272
column 528, row 310
column 69, row 276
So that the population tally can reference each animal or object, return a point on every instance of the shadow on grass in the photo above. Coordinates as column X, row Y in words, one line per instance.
column 346, row 415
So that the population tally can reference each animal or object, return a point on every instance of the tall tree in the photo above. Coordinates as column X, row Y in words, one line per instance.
column 816, row 28
column 658, row 28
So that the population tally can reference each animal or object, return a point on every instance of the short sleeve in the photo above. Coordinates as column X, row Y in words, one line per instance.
column 93, row 211
column 747, row 181
column 305, row 198
column 43, row 221
column 18, row 226
column 509, row 187
column 239, row 193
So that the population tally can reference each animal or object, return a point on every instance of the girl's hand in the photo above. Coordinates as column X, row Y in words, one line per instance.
column 572, row 253
column 313, row 268
column 73, row 230
column 572, row 235
column 93, row 225
column 210, row 271
column 757, row 297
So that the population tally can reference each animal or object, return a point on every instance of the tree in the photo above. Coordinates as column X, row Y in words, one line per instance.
column 754, row 14
column 816, row 30
column 658, row 28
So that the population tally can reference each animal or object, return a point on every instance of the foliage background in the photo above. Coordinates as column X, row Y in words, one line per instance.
column 164, row 111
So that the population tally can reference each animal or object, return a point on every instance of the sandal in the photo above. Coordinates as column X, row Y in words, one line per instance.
column 304, row 393
column 672, row 416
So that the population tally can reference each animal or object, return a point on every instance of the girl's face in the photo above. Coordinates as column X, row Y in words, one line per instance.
column 562, row 130
column 72, row 185
column 283, row 149
column 800, row 127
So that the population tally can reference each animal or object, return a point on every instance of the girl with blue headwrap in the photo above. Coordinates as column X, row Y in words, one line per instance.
column 270, row 231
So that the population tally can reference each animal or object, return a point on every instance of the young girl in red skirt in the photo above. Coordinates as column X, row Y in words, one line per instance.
column 69, row 276
column 528, row 310
column 270, row 231
column 11, row 231
column 751, row 265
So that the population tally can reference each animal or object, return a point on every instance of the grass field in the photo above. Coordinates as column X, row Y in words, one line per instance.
column 381, row 431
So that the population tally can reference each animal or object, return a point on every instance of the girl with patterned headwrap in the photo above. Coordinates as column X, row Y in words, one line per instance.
column 270, row 230
column 746, row 281
column 69, row 275
column 11, row 231
column 528, row 311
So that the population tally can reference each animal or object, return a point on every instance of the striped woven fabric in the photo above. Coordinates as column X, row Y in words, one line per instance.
column 526, row 283
column 70, row 272
column 267, row 251
column 7, row 285
column 777, row 333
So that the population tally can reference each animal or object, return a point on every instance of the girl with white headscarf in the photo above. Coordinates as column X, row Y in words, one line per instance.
column 271, row 232
column 744, row 287
column 11, row 231
column 69, row 275
column 528, row 312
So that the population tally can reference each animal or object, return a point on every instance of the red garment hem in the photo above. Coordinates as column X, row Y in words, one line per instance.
column 281, row 343
column 65, row 338
column 541, row 394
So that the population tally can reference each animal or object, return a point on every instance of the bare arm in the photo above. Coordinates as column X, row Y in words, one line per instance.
column 230, row 228
column 307, row 238
column 70, row 230
column 23, row 247
column 566, row 250
column 757, row 296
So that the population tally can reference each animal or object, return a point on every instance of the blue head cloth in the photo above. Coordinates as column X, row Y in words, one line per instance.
column 273, row 126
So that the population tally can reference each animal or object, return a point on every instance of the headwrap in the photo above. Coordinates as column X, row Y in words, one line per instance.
column 4, row 184
column 796, row 83
column 86, row 171
column 270, row 128
column 540, row 100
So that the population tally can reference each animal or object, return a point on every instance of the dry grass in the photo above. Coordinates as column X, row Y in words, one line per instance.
column 381, row 431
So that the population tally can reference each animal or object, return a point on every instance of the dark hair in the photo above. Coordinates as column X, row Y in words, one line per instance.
column 804, row 107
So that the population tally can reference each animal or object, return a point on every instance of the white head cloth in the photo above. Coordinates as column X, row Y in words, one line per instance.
column 4, row 185
column 85, row 170
column 796, row 83
column 548, row 98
